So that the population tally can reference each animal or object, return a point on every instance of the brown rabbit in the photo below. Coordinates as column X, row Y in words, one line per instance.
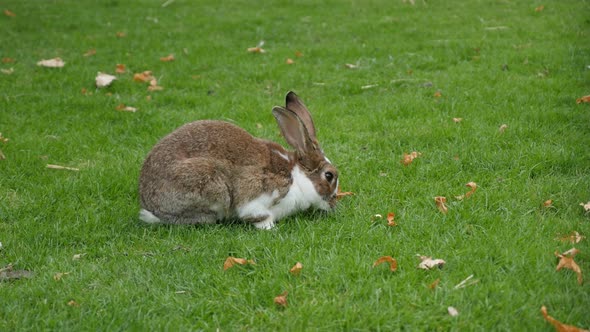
column 207, row 171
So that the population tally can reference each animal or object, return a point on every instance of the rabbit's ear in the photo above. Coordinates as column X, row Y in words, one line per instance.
column 293, row 129
column 296, row 105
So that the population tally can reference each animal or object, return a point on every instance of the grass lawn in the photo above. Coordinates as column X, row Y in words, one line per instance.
column 412, row 69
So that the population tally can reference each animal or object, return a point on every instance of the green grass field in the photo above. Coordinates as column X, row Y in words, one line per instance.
column 417, row 67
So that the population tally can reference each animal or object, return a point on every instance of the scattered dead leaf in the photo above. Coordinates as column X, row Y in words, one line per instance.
column 341, row 194
column 566, row 260
column 7, row 71
column 586, row 206
column 103, row 80
column 289, row 61
column 78, row 256
column 585, row 99
column 441, row 203
column 143, row 77
column 408, row 158
column 427, row 263
column 8, row 60
column 90, row 52
column 52, row 63
column 168, row 58
column 121, row 34
column 559, row 326
column 73, row 303
column 298, row 54
column 154, row 85
column 9, row 13
column 574, row 238
column 468, row 194
column 503, row 128
column 453, row 312
column 540, row 8
column 376, row 216
column 434, row 284
column 548, row 203
column 231, row 261
column 457, row 120
column 120, row 68
column 437, row 94
column 296, row 269
column 59, row 275
column 8, row 273
column 351, row 66
column 387, row 259
column 390, row 219
column 3, row 139
column 281, row 300
column 124, row 108
column 258, row 48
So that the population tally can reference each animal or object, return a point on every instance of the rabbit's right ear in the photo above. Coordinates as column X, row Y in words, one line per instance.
column 293, row 129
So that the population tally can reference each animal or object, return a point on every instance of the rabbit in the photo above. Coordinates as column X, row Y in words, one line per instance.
column 208, row 171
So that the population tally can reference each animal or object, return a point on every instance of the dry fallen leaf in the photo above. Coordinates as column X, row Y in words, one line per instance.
column 258, row 48
column 574, row 238
column 566, row 260
column 548, row 203
column 120, row 69
column 473, row 187
column 341, row 194
column 231, row 261
column 351, row 66
column 289, row 61
column 121, row 34
column 457, row 120
column 440, row 203
column 154, row 85
column 585, row 99
column 559, row 326
column 428, row 263
column 434, row 284
column 408, row 158
column 8, row 273
column 78, row 256
column 167, row 58
column 9, row 13
column 437, row 94
column 387, row 259
column 586, row 206
column 540, row 8
column 52, row 63
column 102, row 80
column 281, row 300
column 3, row 139
column 124, row 108
column 8, row 71
column 503, row 128
column 143, row 77
column 90, row 52
column 73, row 303
column 296, row 269
column 8, row 60
column 390, row 217
column 298, row 54
column 59, row 275
column 453, row 312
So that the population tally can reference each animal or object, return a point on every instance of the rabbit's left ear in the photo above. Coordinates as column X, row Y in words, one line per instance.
column 296, row 105
column 294, row 130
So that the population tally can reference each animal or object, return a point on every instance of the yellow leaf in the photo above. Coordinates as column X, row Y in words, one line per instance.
column 296, row 269
column 408, row 158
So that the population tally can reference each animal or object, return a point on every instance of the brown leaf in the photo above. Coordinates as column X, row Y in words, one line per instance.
column 52, row 63
column 8, row 60
column 390, row 217
column 585, row 99
column 120, row 69
column 437, row 94
column 124, row 108
column 231, row 261
column 154, row 85
column 473, row 187
column 167, row 58
column 408, row 158
column 387, row 259
column 296, row 269
column 90, row 52
column 8, row 273
column 573, row 237
column 258, row 48
column 540, row 8
column 440, row 203
column 9, row 13
column 121, row 34
column 298, row 54
column 428, row 263
column 340, row 194
column 143, row 77
column 559, row 326
column 434, row 284
column 289, row 61
column 281, row 300
column 566, row 260
column 548, row 203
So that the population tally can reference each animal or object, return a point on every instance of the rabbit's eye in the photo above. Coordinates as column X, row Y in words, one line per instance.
column 329, row 176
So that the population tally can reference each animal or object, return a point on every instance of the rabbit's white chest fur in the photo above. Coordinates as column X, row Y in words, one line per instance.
column 301, row 195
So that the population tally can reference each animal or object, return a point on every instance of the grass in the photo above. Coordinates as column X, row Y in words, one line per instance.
column 493, row 62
